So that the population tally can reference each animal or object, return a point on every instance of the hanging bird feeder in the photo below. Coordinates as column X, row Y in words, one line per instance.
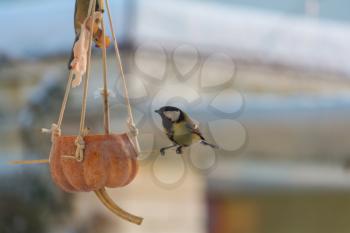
column 88, row 162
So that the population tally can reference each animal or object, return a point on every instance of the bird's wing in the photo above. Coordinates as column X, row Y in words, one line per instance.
column 170, row 135
column 168, row 128
column 194, row 128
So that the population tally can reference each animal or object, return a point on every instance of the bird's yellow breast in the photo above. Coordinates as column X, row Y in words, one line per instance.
column 183, row 135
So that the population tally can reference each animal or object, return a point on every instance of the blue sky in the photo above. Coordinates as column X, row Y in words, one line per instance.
column 44, row 27
column 329, row 9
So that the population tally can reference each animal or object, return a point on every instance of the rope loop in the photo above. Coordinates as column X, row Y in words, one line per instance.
column 79, row 153
column 80, row 147
column 55, row 131
column 131, row 124
column 134, row 131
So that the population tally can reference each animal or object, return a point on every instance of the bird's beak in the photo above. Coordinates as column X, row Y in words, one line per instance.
column 157, row 111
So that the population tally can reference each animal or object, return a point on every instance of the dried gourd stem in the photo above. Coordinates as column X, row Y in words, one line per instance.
column 106, row 114
column 131, row 121
column 112, row 206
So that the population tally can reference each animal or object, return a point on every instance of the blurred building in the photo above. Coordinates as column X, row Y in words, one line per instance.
column 292, row 67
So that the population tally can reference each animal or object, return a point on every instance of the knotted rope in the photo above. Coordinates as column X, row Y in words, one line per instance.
column 80, row 147
column 55, row 132
column 134, row 131
column 56, row 128
column 79, row 142
column 130, row 122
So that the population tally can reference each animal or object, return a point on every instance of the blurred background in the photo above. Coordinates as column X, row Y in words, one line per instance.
column 267, row 80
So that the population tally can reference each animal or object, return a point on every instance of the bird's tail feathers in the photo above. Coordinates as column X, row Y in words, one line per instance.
column 204, row 142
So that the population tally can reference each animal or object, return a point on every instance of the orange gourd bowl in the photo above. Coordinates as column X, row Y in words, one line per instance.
column 109, row 161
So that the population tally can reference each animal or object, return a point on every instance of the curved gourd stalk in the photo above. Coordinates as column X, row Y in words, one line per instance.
column 112, row 206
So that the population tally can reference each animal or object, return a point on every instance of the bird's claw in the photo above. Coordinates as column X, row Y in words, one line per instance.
column 179, row 150
column 162, row 151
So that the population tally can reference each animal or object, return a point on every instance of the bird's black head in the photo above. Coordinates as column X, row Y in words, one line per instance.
column 171, row 113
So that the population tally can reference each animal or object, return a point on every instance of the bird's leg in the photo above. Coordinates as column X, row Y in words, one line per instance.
column 179, row 150
column 209, row 144
column 162, row 150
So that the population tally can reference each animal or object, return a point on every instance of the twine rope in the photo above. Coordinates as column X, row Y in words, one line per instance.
column 131, row 123
column 105, row 92
column 55, row 129
column 134, row 131
column 65, row 99
column 79, row 142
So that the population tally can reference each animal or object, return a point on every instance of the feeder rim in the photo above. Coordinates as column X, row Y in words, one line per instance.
column 95, row 135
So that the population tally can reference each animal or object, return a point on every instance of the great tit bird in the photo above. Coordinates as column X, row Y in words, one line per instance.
column 180, row 129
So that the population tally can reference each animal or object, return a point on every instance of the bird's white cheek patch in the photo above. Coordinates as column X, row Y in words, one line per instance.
column 172, row 115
